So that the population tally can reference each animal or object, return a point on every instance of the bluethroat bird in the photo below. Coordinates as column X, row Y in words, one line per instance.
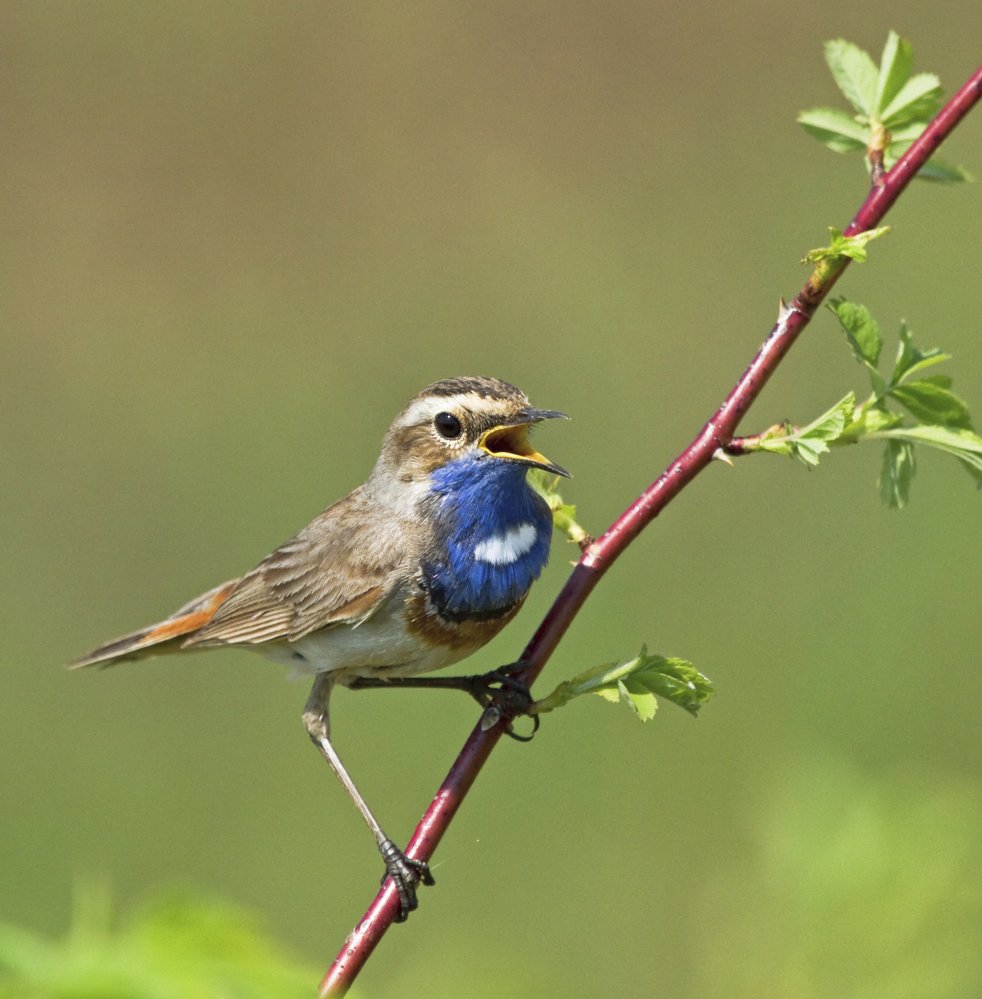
column 413, row 571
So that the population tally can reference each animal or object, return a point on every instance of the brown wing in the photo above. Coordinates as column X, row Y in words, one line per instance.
column 338, row 569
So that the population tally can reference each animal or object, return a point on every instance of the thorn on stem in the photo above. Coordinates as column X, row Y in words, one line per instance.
column 490, row 718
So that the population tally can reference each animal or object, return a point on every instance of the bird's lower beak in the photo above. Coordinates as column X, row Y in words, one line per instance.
column 511, row 441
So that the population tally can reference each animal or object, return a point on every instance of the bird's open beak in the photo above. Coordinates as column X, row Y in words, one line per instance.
column 511, row 440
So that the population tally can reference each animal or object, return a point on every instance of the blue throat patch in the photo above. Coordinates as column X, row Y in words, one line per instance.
column 486, row 556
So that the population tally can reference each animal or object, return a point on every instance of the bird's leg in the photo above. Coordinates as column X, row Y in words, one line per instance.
column 499, row 692
column 404, row 871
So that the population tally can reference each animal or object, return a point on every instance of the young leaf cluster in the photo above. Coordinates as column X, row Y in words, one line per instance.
column 830, row 260
column 853, row 247
column 934, row 416
column 809, row 443
column 636, row 683
column 891, row 107
column 906, row 407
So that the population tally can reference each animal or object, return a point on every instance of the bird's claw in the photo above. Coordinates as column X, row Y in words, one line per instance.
column 405, row 873
column 503, row 696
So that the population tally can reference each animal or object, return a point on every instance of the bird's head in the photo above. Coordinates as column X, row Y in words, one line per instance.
column 474, row 420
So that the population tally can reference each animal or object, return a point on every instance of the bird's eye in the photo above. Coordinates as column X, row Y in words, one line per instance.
column 447, row 425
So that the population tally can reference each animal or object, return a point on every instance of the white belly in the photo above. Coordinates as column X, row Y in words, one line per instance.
column 378, row 646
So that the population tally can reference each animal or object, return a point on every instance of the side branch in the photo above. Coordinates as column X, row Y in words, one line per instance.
column 598, row 556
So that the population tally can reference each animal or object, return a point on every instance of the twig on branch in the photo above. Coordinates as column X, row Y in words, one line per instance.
column 597, row 557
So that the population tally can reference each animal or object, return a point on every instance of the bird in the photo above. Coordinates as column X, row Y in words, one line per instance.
column 412, row 571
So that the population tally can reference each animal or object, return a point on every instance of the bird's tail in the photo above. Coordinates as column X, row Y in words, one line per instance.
column 166, row 636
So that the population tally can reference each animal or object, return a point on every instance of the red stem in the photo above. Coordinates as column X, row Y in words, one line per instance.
column 601, row 554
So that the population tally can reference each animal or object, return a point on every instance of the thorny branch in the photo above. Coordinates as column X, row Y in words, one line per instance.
column 597, row 557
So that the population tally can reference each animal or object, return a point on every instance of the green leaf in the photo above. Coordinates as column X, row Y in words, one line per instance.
column 853, row 247
column 636, row 683
column 896, row 474
column 896, row 64
column 942, row 172
column 774, row 442
column 678, row 681
column 864, row 336
column 931, row 401
column 808, row 452
column 869, row 419
column 861, row 329
column 966, row 445
column 902, row 136
column 919, row 98
column 937, row 170
column 836, row 129
column 809, row 443
column 830, row 424
column 854, row 72
column 911, row 360
column 635, row 694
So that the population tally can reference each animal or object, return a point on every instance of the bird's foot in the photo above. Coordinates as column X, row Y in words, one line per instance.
column 503, row 696
column 406, row 873
column 501, row 693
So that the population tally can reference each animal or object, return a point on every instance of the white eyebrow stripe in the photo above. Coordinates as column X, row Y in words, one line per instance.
column 503, row 549
column 423, row 410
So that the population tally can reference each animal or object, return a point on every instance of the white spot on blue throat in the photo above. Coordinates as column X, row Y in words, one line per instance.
column 503, row 549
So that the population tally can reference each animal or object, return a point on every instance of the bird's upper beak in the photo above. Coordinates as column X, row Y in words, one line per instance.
column 511, row 440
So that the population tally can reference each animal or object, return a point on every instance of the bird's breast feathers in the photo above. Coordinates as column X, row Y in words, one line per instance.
column 490, row 540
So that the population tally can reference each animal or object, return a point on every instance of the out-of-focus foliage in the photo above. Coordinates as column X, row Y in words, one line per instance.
column 177, row 948
column 857, row 890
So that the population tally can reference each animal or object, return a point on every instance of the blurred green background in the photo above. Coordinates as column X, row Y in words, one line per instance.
column 237, row 238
